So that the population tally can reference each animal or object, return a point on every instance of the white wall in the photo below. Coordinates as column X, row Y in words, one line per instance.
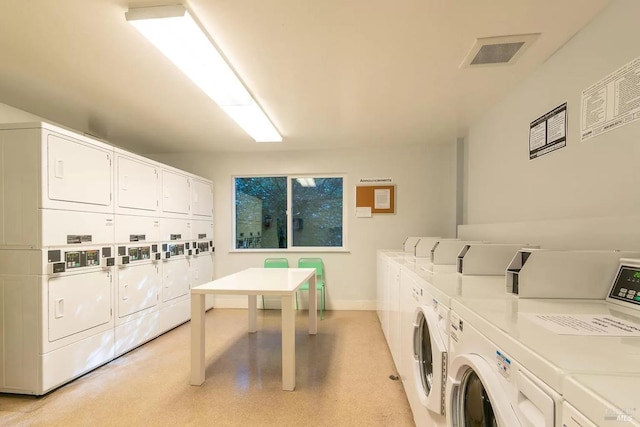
column 9, row 114
column 597, row 178
column 425, row 179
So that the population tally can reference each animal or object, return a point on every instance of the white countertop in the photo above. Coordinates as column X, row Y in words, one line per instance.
column 605, row 398
column 505, row 322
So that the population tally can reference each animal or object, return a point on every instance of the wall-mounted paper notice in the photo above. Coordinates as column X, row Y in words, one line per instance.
column 382, row 198
column 363, row 212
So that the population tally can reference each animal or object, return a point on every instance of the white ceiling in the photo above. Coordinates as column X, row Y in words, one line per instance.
column 329, row 73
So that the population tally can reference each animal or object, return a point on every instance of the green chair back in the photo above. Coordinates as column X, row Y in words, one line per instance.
column 313, row 263
column 318, row 265
column 276, row 263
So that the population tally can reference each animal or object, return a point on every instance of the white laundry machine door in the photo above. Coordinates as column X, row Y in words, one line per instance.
column 176, row 194
column 78, row 173
column 430, row 358
column 175, row 278
column 78, row 303
column 476, row 395
column 138, row 288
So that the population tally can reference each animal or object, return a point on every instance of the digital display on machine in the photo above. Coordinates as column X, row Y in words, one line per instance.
column 93, row 257
column 140, row 253
column 627, row 285
column 72, row 259
column 76, row 259
column 177, row 249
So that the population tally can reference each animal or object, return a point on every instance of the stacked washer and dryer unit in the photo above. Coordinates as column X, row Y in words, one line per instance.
column 83, row 274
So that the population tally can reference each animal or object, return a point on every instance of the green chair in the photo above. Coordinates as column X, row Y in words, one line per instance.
column 274, row 263
column 317, row 264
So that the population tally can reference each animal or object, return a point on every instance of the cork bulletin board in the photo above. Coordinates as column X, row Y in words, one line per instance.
column 380, row 198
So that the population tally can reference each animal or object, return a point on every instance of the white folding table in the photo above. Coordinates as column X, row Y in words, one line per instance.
column 282, row 282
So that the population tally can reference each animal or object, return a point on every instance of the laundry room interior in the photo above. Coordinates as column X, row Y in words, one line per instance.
column 420, row 213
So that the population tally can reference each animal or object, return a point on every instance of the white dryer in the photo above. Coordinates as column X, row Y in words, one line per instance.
column 201, row 255
column 175, row 307
column 57, row 315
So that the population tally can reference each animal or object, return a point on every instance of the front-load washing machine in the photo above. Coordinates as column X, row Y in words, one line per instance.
column 423, row 343
column 443, row 288
column 550, row 339
column 429, row 326
column 487, row 386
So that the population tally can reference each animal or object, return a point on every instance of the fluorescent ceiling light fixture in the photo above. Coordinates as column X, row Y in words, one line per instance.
column 306, row 182
column 178, row 36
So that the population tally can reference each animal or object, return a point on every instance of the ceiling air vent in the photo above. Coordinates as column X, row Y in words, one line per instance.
column 502, row 50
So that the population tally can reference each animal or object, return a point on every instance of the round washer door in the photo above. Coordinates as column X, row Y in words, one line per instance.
column 430, row 359
column 475, row 396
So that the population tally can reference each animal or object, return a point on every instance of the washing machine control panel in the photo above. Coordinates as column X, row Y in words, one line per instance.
column 60, row 261
column 626, row 286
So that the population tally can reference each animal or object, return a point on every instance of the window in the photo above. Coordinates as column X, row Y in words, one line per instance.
column 289, row 212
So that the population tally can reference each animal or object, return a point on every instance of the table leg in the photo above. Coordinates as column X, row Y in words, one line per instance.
column 313, row 306
column 288, row 343
column 197, row 339
column 253, row 313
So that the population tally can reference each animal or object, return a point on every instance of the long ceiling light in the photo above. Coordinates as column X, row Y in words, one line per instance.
column 179, row 37
column 306, row 182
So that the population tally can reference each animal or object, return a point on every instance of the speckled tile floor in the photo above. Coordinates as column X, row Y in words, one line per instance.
column 342, row 379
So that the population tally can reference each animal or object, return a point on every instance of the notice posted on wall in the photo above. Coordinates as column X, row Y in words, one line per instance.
column 585, row 324
column 549, row 132
column 382, row 198
column 611, row 102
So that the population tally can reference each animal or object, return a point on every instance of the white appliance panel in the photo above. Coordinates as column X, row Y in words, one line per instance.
column 201, row 198
column 61, row 228
column 130, row 228
column 201, row 269
column 61, row 365
column 201, row 230
column 175, row 280
column 175, row 229
column 78, row 172
column 19, row 327
column 78, row 303
column 137, row 186
column 20, row 183
column 138, row 288
column 394, row 312
column 175, row 193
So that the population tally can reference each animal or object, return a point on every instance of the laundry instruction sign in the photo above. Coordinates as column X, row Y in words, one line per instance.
column 548, row 132
column 612, row 102
column 586, row 324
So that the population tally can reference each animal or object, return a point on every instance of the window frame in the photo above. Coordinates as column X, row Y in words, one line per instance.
column 290, row 247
